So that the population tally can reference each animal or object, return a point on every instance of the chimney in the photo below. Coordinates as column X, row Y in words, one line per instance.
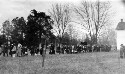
column 121, row 20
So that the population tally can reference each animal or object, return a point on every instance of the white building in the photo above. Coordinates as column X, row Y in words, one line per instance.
column 120, row 29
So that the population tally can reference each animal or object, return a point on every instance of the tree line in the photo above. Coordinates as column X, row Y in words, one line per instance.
column 39, row 28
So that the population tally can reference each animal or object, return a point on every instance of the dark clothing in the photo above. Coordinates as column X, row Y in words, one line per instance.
column 122, row 52
column 32, row 52
column 52, row 51
column 5, row 51
column 58, row 50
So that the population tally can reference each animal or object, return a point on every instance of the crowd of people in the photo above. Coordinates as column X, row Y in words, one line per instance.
column 70, row 49
column 19, row 50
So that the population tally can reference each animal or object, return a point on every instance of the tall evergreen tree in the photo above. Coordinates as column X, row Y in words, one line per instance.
column 19, row 30
column 38, row 27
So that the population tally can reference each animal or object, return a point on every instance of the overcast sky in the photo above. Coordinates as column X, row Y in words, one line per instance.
column 10, row 9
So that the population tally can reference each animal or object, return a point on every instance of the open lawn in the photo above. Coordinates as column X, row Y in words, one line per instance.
column 84, row 63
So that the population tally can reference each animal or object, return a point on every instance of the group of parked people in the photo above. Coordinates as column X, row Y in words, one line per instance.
column 70, row 49
column 81, row 48
column 10, row 50
column 19, row 50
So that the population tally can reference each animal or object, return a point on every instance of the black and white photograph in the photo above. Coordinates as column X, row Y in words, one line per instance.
column 62, row 36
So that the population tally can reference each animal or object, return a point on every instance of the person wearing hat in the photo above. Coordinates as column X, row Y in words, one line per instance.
column 122, row 51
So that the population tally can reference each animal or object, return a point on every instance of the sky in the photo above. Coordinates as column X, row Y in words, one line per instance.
column 10, row 9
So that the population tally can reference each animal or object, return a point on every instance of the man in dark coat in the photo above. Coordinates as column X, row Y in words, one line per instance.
column 11, row 47
column 41, row 49
column 122, row 51
column 58, row 49
column 13, row 52
column 32, row 52
column 0, row 50
column 5, row 50
column 52, row 51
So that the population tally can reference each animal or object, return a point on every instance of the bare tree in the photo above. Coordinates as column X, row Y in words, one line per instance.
column 61, row 16
column 94, row 16
column 108, row 37
column 70, row 32
column 103, row 16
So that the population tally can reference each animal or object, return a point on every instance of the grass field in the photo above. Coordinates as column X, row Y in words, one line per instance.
column 84, row 63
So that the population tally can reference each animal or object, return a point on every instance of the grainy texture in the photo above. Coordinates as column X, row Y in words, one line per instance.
column 85, row 63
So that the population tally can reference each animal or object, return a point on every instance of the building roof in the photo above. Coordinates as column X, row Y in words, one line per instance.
column 121, row 25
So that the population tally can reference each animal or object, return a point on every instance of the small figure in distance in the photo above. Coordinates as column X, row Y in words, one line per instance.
column 122, row 51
